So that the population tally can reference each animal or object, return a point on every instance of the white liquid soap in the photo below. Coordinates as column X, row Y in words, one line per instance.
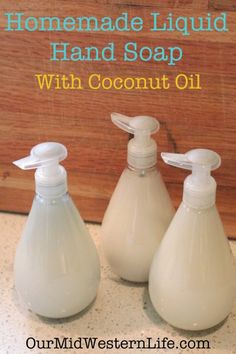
column 57, row 270
column 192, row 277
column 140, row 208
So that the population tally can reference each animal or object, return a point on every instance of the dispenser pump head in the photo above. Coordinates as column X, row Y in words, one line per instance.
column 200, row 186
column 142, row 149
column 50, row 176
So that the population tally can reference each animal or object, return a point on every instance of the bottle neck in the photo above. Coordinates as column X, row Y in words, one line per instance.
column 142, row 171
column 51, row 186
column 52, row 200
column 142, row 156
column 51, row 192
column 199, row 197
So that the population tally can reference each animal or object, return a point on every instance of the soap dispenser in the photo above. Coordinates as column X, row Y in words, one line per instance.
column 56, row 268
column 140, row 208
column 192, row 277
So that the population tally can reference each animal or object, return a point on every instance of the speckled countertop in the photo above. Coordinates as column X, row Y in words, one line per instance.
column 121, row 310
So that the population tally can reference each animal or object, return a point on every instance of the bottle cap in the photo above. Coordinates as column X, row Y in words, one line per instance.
column 200, row 186
column 142, row 149
column 50, row 176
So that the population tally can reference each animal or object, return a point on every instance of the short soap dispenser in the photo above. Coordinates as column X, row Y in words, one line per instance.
column 192, row 277
column 56, row 268
column 140, row 209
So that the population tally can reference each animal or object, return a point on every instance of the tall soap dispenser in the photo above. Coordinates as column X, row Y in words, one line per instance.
column 140, row 208
column 192, row 277
column 56, row 268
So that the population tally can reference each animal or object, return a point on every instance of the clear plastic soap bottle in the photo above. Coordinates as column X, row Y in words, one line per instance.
column 56, row 268
column 140, row 208
column 192, row 277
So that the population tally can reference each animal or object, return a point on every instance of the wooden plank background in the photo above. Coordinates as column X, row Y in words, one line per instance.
column 81, row 119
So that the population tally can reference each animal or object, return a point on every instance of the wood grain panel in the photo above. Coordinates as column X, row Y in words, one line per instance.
column 80, row 119
column 226, row 5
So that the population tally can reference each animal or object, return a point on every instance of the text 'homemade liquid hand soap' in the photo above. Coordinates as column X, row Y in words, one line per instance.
column 140, row 208
column 192, row 277
column 57, row 268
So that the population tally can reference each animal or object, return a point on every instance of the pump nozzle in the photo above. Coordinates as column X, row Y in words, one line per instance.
column 134, row 125
column 43, row 155
column 200, row 186
column 45, row 159
column 141, row 149
column 199, row 157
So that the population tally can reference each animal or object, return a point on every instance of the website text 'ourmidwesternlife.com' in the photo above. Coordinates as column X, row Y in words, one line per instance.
column 148, row 343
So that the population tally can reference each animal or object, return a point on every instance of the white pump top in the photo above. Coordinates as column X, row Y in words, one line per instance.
column 50, row 177
column 142, row 149
column 200, row 186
